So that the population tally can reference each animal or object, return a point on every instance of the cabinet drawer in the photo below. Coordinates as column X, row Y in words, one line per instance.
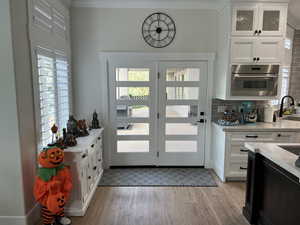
column 251, row 136
column 237, row 169
column 285, row 137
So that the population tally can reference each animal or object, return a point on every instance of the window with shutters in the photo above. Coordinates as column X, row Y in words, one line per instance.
column 53, row 75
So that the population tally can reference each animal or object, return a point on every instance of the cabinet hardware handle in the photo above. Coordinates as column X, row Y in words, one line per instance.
column 92, row 145
column 243, row 168
column 244, row 150
column 99, row 138
column 251, row 136
column 278, row 135
column 83, row 156
column 259, row 31
column 99, row 160
column 254, row 59
column 89, row 177
column 256, row 31
column 95, row 167
column 258, row 59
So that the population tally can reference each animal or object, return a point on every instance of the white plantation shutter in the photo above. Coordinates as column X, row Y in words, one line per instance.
column 42, row 14
column 53, row 75
column 47, row 94
column 62, row 78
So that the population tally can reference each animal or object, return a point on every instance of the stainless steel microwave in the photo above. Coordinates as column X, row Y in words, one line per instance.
column 254, row 80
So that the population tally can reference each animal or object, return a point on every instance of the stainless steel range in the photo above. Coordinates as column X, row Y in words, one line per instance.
column 254, row 80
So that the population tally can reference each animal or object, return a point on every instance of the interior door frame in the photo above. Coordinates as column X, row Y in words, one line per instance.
column 106, row 57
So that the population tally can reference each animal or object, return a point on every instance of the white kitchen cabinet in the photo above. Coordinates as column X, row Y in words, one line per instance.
column 259, row 19
column 229, row 155
column 85, row 161
column 256, row 50
column 272, row 20
column 269, row 50
column 243, row 50
column 245, row 19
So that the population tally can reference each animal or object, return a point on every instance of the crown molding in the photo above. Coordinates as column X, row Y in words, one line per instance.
column 135, row 4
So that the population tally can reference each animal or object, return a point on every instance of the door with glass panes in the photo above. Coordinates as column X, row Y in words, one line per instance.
column 157, row 112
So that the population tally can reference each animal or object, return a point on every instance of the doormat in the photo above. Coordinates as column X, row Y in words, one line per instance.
column 132, row 177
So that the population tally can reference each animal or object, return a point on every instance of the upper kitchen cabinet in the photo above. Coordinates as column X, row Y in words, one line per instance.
column 259, row 19
column 245, row 20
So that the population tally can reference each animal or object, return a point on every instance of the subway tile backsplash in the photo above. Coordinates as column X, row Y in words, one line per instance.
column 219, row 106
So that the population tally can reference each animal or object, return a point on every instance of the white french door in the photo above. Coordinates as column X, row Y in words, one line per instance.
column 157, row 112
column 182, row 112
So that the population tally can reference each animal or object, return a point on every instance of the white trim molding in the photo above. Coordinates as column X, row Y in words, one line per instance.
column 163, row 4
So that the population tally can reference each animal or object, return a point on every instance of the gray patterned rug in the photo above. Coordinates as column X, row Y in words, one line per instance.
column 195, row 177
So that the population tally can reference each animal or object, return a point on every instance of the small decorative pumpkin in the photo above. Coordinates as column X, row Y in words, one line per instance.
column 51, row 158
column 56, row 199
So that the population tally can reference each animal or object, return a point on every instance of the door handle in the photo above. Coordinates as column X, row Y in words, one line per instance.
column 201, row 121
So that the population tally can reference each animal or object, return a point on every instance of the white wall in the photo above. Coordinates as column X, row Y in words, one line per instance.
column 11, row 186
column 94, row 30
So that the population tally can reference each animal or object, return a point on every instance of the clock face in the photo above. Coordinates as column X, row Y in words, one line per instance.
column 159, row 30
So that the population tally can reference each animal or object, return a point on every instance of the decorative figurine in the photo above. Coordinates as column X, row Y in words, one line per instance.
column 53, row 186
column 54, row 130
column 95, row 121
column 72, row 126
column 82, row 128
column 70, row 140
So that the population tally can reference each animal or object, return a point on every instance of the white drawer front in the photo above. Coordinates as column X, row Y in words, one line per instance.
column 251, row 136
column 237, row 169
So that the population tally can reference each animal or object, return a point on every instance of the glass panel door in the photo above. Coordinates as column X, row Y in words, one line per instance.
column 271, row 20
column 132, row 110
column 181, row 107
column 245, row 20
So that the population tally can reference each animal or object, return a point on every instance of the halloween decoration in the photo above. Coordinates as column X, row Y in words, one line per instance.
column 82, row 128
column 54, row 130
column 70, row 140
column 53, row 185
column 95, row 121
column 72, row 126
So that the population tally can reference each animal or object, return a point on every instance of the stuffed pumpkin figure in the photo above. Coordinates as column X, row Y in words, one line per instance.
column 53, row 185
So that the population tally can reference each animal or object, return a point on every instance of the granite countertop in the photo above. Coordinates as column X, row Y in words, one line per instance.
column 282, row 125
column 278, row 155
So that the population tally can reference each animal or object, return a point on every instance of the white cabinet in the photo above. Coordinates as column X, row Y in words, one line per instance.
column 259, row 19
column 243, row 50
column 245, row 19
column 229, row 155
column 256, row 50
column 85, row 161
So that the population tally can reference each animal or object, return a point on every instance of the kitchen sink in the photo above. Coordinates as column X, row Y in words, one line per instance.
column 294, row 118
column 295, row 149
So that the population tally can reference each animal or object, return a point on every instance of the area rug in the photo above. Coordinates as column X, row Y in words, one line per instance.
column 126, row 177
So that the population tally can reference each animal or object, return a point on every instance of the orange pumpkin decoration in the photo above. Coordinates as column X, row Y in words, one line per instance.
column 56, row 199
column 51, row 158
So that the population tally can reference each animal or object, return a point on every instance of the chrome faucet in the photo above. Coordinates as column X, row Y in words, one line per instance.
column 282, row 102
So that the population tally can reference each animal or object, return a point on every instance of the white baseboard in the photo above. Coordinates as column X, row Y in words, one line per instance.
column 31, row 218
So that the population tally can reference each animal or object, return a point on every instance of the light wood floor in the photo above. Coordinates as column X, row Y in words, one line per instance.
column 166, row 206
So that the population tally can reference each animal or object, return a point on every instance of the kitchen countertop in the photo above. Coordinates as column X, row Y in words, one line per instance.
column 278, row 155
column 282, row 125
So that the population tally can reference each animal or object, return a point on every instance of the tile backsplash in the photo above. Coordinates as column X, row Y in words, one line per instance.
column 219, row 106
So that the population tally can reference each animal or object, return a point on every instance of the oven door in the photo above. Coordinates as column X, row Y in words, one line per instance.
column 254, row 85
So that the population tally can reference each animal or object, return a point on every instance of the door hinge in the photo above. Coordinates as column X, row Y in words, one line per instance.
column 157, row 154
column 158, row 75
column 157, row 115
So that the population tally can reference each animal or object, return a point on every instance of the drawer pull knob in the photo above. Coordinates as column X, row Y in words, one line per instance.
column 251, row 136
column 83, row 156
column 243, row 168
column 99, row 138
column 99, row 160
column 89, row 177
column 279, row 135
column 95, row 167
column 92, row 145
column 244, row 150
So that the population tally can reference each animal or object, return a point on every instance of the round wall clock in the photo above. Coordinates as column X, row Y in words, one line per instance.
column 159, row 30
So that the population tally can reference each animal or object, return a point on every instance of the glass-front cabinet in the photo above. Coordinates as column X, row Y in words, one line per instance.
column 259, row 20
